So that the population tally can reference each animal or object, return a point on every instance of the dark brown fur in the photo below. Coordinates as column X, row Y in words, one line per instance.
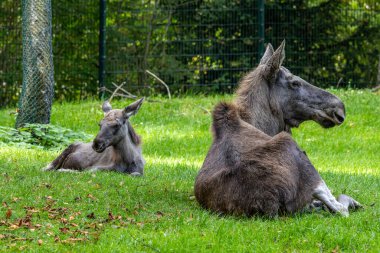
column 248, row 172
column 58, row 162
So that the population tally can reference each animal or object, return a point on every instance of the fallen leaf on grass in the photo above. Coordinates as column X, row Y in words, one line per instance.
column 113, row 217
column 50, row 199
column 63, row 220
column 21, row 239
column 92, row 225
column 82, row 232
column 4, row 204
column 15, row 199
column 64, row 230
column 91, row 197
column 8, row 213
column 73, row 240
column 91, row 215
column 159, row 214
column 31, row 209
column 110, row 217
column 336, row 250
column 13, row 227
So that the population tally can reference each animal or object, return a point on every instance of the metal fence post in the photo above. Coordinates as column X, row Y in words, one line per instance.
column 102, row 48
column 261, row 22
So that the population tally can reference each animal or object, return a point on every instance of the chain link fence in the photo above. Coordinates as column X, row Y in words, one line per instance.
column 10, row 52
column 196, row 46
column 38, row 70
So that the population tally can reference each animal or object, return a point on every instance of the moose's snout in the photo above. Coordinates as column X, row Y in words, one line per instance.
column 99, row 146
column 335, row 114
column 332, row 114
column 338, row 115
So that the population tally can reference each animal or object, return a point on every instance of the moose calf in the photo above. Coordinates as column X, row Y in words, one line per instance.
column 116, row 147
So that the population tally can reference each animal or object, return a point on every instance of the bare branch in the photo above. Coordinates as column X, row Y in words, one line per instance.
column 125, row 91
column 339, row 82
column 114, row 92
column 158, row 79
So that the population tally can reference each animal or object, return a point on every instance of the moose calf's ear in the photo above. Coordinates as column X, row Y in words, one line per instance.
column 274, row 62
column 268, row 53
column 106, row 107
column 132, row 109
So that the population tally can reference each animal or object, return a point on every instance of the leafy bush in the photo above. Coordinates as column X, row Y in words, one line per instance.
column 40, row 136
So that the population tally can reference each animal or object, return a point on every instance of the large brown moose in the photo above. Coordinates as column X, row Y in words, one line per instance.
column 253, row 165
column 116, row 147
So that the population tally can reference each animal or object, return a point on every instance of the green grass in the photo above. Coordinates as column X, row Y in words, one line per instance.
column 111, row 212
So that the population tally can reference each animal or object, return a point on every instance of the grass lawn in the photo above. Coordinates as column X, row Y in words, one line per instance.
column 112, row 212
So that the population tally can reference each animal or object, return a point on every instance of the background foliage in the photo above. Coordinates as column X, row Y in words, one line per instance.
column 200, row 45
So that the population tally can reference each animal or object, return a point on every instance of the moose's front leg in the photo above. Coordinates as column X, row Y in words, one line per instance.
column 323, row 193
column 102, row 168
column 349, row 202
column 134, row 169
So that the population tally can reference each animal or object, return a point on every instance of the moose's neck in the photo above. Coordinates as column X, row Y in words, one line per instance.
column 260, row 110
column 128, row 148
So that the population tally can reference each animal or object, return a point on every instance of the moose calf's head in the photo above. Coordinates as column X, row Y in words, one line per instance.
column 299, row 100
column 114, row 125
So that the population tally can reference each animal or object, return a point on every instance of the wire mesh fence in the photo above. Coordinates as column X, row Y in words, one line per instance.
column 196, row 45
column 10, row 52
column 38, row 70
column 204, row 47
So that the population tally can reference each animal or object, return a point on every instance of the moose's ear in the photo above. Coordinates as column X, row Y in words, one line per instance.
column 106, row 107
column 274, row 62
column 132, row 109
column 268, row 53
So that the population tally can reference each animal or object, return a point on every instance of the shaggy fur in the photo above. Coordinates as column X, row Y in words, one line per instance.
column 249, row 172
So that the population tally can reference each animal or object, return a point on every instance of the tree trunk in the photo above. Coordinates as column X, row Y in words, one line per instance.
column 38, row 71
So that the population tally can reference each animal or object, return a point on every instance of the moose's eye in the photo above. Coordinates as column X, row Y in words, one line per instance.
column 115, row 128
column 295, row 84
